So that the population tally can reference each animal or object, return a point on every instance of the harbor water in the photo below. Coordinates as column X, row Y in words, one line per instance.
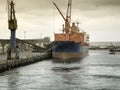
column 98, row 71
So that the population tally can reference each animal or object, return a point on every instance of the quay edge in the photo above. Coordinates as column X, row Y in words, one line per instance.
column 11, row 64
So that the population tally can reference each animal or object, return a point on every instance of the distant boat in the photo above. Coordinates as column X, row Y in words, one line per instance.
column 111, row 52
column 115, row 50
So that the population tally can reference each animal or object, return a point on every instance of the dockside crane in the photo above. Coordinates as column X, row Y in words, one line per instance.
column 12, row 25
column 68, row 16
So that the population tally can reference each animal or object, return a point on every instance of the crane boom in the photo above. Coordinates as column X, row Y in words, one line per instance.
column 68, row 14
column 59, row 11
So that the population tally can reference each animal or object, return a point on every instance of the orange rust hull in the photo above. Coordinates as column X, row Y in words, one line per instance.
column 78, row 37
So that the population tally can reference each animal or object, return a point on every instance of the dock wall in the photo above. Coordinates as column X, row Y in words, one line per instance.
column 11, row 64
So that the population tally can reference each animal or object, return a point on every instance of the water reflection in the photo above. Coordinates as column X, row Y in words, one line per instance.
column 65, row 69
column 106, row 76
column 68, row 61
column 12, row 79
column 66, row 77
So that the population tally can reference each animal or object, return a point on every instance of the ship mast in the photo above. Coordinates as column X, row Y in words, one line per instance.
column 68, row 16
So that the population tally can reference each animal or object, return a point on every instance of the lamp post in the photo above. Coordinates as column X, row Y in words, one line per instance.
column 25, row 34
column 40, row 35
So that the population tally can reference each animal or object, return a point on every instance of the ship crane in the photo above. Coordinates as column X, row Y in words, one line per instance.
column 12, row 25
column 68, row 16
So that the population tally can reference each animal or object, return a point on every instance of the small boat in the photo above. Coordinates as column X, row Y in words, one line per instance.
column 112, row 53
column 114, row 50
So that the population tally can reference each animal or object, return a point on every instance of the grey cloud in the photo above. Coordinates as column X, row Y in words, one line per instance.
column 98, row 2
column 28, row 5
column 25, row 6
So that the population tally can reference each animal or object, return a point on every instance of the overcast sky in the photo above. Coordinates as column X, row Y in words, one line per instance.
column 39, row 18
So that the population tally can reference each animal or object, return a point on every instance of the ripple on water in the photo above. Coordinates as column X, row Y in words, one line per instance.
column 98, row 71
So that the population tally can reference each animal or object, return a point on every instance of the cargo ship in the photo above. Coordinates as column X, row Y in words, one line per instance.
column 71, row 43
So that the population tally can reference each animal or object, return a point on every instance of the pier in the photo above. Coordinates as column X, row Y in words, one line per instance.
column 29, row 53
column 104, row 45
column 6, row 65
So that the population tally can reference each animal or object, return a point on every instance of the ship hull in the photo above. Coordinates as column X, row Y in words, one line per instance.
column 69, row 50
column 67, row 55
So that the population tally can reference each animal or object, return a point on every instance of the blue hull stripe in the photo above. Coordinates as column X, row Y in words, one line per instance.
column 67, row 46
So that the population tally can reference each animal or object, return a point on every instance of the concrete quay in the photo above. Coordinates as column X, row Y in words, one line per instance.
column 6, row 65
